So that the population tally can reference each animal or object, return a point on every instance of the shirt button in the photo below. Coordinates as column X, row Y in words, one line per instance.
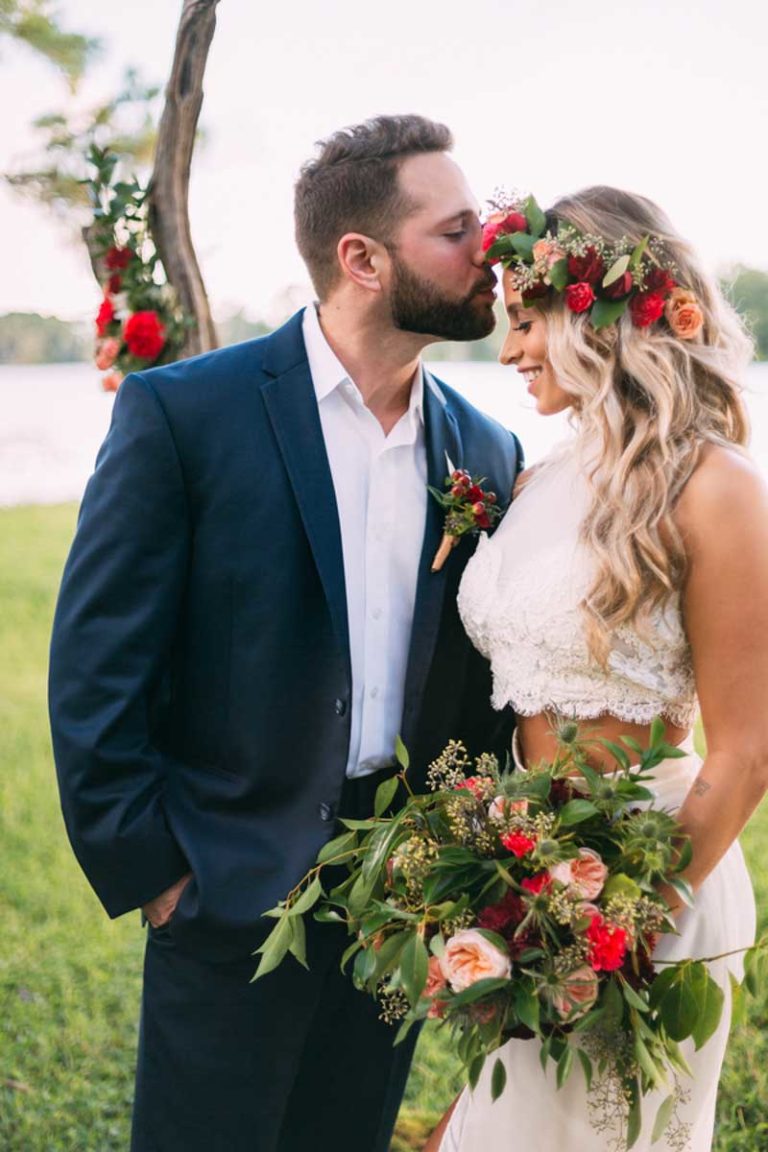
column 326, row 811
column 374, row 693
column 340, row 707
column 376, row 613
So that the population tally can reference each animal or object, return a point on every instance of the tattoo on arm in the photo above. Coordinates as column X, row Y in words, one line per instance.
column 701, row 787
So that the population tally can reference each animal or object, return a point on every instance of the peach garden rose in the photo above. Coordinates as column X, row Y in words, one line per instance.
column 576, row 994
column 584, row 876
column 469, row 956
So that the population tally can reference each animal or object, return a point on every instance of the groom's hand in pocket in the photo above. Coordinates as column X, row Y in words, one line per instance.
column 159, row 911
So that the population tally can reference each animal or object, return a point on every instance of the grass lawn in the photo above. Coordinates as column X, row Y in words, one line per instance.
column 69, row 978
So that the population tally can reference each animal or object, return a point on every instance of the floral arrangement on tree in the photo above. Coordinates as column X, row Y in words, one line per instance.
column 509, row 903
column 468, row 509
column 598, row 278
column 139, row 323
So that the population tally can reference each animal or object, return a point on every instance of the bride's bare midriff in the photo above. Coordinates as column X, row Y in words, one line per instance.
column 538, row 741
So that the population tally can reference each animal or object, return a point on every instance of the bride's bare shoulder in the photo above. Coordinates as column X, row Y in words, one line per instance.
column 726, row 487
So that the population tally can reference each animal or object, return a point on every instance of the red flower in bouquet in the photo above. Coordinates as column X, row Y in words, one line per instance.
column 646, row 308
column 579, row 297
column 144, row 335
column 477, row 785
column 536, row 884
column 105, row 316
column 607, row 945
column 507, row 913
column 518, row 843
column 117, row 258
column 115, row 283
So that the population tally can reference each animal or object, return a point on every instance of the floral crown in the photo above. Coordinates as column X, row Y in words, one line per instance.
column 598, row 277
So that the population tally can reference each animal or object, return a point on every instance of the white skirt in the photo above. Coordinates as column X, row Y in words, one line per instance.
column 533, row 1115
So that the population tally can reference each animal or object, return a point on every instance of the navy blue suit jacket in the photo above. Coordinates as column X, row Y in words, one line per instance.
column 200, row 673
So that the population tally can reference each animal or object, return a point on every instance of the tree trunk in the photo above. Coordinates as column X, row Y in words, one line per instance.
column 169, row 185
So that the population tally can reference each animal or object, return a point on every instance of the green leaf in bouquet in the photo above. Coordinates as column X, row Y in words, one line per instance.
column 528, row 1006
column 298, row 945
column 478, row 990
column 634, row 1116
column 326, row 915
column 662, row 983
column 633, row 744
column 647, row 1064
column 475, row 1069
column 414, row 963
column 621, row 885
column 632, row 998
column 498, row 1079
column 308, row 898
column 678, row 1009
column 349, row 952
column 657, row 733
column 275, row 947
column 388, row 955
column 612, row 1004
column 616, row 751
column 381, row 844
column 385, row 794
column 337, row 847
column 710, row 998
column 401, row 754
column 675, row 1057
column 586, row 1065
column 576, row 812
column 437, row 945
column 360, row 894
column 683, row 889
column 364, row 967
column 403, row 1030
column 564, row 1066
column 544, row 1052
column 663, row 1117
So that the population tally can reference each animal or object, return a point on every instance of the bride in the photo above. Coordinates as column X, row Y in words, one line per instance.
column 628, row 579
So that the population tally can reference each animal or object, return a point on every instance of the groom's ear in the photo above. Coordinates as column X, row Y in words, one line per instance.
column 362, row 260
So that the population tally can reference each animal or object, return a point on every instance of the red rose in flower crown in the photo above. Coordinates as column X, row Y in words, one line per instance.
column 589, row 267
column 646, row 308
column 105, row 316
column 502, row 224
column 579, row 297
column 620, row 288
column 144, row 335
column 117, row 258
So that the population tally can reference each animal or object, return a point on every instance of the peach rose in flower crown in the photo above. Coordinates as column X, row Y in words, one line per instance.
column 545, row 254
column 576, row 994
column 111, row 382
column 683, row 314
column 469, row 956
column 584, row 876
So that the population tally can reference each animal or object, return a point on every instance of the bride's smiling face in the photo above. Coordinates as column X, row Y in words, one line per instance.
column 525, row 347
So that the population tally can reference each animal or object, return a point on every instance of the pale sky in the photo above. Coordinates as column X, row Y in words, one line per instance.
column 664, row 98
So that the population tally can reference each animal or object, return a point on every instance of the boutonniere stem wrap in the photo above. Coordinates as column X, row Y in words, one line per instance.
column 468, row 508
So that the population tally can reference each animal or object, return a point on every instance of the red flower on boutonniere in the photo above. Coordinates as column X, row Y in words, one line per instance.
column 468, row 508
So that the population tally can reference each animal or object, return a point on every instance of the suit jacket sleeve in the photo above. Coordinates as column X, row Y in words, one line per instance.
column 115, row 620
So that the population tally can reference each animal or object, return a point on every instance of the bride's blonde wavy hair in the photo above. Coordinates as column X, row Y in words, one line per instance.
column 648, row 401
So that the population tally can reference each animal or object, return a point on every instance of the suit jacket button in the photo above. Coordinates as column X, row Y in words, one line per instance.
column 341, row 707
column 326, row 811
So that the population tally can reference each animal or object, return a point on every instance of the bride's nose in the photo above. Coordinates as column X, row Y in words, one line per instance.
column 511, row 349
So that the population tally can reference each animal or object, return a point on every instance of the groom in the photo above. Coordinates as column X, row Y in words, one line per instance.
column 246, row 622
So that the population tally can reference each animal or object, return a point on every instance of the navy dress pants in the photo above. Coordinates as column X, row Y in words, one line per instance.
column 297, row 1062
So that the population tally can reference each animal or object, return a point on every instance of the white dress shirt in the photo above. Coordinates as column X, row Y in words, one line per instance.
column 381, row 494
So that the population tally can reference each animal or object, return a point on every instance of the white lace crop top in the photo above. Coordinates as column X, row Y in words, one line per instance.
column 519, row 601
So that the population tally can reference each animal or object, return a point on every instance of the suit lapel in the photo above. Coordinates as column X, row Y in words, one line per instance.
column 289, row 396
column 443, row 442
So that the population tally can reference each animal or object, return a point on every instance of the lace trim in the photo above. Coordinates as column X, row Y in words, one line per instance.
column 527, row 623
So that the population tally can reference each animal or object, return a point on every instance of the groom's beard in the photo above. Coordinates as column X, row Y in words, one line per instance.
column 418, row 305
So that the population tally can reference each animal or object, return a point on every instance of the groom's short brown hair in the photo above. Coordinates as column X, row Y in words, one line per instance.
column 351, row 186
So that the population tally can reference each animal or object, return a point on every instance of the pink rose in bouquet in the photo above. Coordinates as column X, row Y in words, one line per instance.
column 470, row 956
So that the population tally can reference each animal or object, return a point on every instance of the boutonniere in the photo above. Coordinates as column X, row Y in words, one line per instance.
column 468, row 508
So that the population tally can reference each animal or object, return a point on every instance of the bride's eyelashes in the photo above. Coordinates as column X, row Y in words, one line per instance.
column 523, row 326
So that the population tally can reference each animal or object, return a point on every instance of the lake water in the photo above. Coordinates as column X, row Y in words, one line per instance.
column 53, row 418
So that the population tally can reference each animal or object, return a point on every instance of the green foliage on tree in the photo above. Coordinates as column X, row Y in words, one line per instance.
column 28, row 338
column 126, row 124
column 33, row 22
column 747, row 289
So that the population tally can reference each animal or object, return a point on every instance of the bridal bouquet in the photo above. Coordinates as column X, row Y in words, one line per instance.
column 520, row 903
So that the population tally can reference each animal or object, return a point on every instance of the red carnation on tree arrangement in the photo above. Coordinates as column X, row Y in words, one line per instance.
column 139, row 323
column 468, row 507
column 599, row 279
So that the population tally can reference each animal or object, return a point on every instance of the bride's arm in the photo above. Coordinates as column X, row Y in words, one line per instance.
column 723, row 515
